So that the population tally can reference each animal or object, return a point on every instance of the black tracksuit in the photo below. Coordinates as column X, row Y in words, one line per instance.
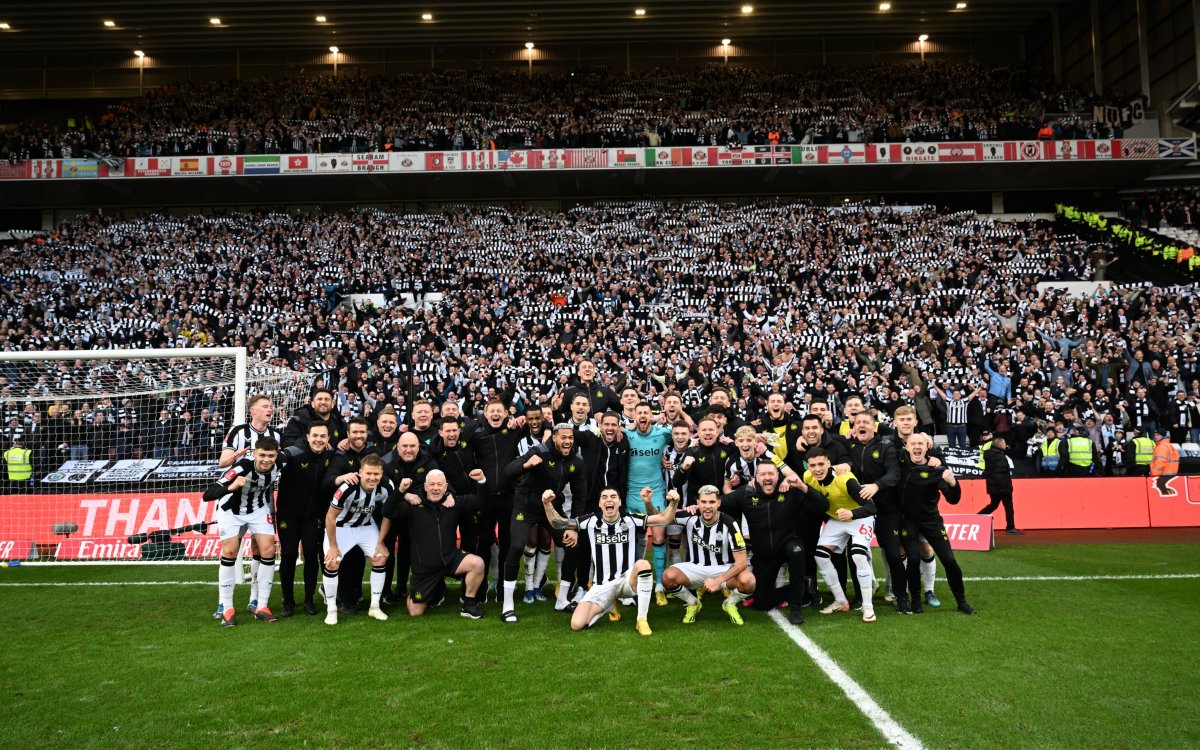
column 998, row 475
column 297, row 427
column 397, row 540
column 774, row 521
column 493, row 449
column 605, row 465
column 920, row 487
column 555, row 473
column 877, row 462
column 432, row 544
column 707, row 468
column 300, row 516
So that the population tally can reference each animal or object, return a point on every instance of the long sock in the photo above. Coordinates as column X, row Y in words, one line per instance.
column 227, row 577
column 674, row 551
column 562, row 594
column 684, row 594
column 529, row 554
column 264, row 578
column 378, row 573
column 866, row 576
column 645, row 586
column 660, row 560
column 559, row 555
column 829, row 573
column 255, row 566
column 331, row 586
column 541, row 562
column 509, row 587
column 928, row 571
column 734, row 598
column 596, row 619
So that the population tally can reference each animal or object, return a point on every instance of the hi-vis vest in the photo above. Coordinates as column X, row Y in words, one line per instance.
column 19, row 467
column 1079, row 451
column 1143, row 451
column 1050, row 455
column 984, row 449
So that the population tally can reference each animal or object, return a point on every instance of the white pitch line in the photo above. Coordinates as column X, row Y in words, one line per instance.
column 896, row 735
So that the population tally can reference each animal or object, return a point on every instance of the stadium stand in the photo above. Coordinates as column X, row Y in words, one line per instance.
column 903, row 305
column 716, row 105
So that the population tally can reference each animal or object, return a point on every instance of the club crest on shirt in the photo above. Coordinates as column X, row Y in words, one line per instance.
column 874, row 454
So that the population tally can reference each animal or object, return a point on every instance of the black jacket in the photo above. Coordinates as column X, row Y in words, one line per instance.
column 493, row 450
column 708, row 468
column 555, row 472
column 997, row 472
column 774, row 519
column 457, row 462
column 876, row 462
column 605, row 464
column 432, row 528
column 297, row 427
column 920, row 489
column 397, row 469
column 301, row 477
column 343, row 462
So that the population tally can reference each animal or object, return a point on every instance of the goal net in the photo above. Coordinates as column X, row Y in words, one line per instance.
column 107, row 453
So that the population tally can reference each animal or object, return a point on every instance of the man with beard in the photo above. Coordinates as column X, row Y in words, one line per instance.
column 720, row 399
column 319, row 409
column 646, row 444
column 717, row 560
column 299, row 509
column 786, row 428
column 386, row 432
column 904, row 420
column 548, row 467
column 773, row 514
column 814, row 435
column 344, row 469
column 672, row 460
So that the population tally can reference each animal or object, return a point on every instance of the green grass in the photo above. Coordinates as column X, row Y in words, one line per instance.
column 1046, row 664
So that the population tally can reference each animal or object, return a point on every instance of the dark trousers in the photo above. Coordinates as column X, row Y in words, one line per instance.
column 518, row 535
column 998, row 498
column 397, row 543
column 887, row 533
column 810, row 532
column 295, row 535
column 492, row 526
column 935, row 534
column 1139, row 470
column 766, row 569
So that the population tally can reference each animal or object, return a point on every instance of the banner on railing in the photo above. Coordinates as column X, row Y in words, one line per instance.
column 604, row 158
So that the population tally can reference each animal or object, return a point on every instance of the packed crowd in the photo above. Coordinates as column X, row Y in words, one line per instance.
column 902, row 305
column 1177, row 207
column 589, row 108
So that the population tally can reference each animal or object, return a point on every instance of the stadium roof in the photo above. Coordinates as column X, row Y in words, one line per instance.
column 80, row 25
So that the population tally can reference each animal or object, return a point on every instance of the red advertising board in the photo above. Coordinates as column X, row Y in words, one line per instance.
column 970, row 532
column 1173, row 501
column 1100, row 503
column 31, row 519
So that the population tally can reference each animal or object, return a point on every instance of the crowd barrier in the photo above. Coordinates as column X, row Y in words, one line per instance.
column 600, row 158
column 99, row 523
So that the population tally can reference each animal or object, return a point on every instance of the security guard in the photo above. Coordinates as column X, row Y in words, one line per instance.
column 1049, row 462
column 20, row 463
column 1077, row 454
column 1143, row 454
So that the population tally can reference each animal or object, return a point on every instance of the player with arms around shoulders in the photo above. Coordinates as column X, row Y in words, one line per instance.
column 611, row 534
column 353, row 521
column 245, row 495
column 717, row 559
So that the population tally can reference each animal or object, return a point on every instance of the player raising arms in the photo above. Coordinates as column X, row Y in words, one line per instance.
column 716, row 558
column 611, row 534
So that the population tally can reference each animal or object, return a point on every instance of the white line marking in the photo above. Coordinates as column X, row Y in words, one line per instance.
column 896, row 735
column 1130, row 577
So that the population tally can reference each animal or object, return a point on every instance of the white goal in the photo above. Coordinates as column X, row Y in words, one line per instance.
column 106, row 453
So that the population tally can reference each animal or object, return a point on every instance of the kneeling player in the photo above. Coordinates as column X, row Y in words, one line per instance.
column 716, row 558
column 611, row 536
column 352, row 522
column 851, row 521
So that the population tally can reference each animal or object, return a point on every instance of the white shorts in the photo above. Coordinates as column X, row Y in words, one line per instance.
column 232, row 525
column 349, row 537
column 698, row 574
column 603, row 595
column 837, row 534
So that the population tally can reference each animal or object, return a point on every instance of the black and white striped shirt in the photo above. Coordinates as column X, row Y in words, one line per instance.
column 715, row 544
column 613, row 545
column 358, row 506
column 956, row 412
column 736, row 466
column 258, row 491
column 245, row 436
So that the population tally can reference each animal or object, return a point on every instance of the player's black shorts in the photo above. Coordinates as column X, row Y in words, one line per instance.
column 427, row 587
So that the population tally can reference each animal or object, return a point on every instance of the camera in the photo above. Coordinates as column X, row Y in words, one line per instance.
column 157, row 545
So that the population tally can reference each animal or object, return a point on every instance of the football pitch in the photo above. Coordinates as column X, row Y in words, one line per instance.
column 1075, row 646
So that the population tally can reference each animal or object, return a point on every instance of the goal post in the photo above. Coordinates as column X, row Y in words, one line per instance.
column 107, row 452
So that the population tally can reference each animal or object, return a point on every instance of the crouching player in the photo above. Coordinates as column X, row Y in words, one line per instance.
column 717, row 559
column 611, row 535
column 353, row 521
column 851, row 521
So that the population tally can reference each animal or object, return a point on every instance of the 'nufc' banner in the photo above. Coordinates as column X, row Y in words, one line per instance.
column 1126, row 116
